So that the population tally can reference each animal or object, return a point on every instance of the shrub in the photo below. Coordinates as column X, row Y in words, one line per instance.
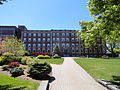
column 1, row 61
column 17, row 71
column 17, row 59
column 13, row 64
column 5, row 68
column 43, row 57
column 26, row 60
column 56, row 56
column 39, row 70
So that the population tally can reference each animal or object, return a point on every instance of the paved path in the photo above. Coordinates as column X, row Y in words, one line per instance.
column 70, row 76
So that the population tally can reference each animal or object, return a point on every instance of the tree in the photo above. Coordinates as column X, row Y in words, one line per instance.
column 56, row 50
column 92, row 34
column 2, row 1
column 12, row 45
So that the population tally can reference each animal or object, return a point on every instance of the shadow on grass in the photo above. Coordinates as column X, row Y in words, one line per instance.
column 116, row 80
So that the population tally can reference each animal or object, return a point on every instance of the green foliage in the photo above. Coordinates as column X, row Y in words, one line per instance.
column 38, row 70
column 26, row 60
column 12, row 45
column 1, row 61
column 10, row 83
column 22, row 52
column 56, row 56
column 17, row 71
column 43, row 57
column 5, row 68
column 56, row 50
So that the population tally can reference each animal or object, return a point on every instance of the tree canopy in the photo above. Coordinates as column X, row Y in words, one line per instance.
column 2, row 1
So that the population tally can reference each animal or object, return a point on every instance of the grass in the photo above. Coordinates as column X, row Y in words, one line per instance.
column 108, row 69
column 11, row 83
column 52, row 61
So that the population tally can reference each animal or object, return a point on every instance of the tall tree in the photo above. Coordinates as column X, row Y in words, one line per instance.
column 56, row 50
column 2, row 1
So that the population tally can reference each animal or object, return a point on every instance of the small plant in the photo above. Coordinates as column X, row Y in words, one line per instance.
column 13, row 64
column 5, row 68
column 26, row 60
column 39, row 70
column 56, row 56
column 17, row 71
column 1, row 61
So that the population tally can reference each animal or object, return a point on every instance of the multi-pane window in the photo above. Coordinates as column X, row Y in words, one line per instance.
column 39, row 34
column 38, row 45
column 24, row 45
column 44, row 34
column 72, row 44
column 25, row 34
column 29, row 39
column 63, row 44
column 63, row 34
column 34, row 39
column 53, row 39
column 53, row 45
column 48, row 39
column 43, row 45
column 58, row 34
column 43, row 39
column 29, row 45
column 72, row 39
column 67, row 39
column 77, row 39
column 76, row 44
column 48, row 45
column 48, row 34
column 53, row 34
column 24, row 39
column 58, row 39
column 67, row 34
column 67, row 44
column 63, row 39
column 58, row 45
column 29, row 34
column 34, row 45
column 72, row 34
column 34, row 34
column 39, row 39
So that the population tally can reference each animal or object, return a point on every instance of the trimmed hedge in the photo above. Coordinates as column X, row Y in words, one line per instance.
column 43, row 57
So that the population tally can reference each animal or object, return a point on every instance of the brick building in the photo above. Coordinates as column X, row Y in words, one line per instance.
column 45, row 41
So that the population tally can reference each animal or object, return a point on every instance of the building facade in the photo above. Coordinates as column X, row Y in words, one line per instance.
column 45, row 41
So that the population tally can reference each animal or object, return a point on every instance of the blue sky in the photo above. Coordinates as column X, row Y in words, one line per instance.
column 45, row 14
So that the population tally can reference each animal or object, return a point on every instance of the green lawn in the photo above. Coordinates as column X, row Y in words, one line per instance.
column 52, row 61
column 11, row 83
column 108, row 69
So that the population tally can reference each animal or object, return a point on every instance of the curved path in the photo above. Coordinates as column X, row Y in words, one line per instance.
column 70, row 76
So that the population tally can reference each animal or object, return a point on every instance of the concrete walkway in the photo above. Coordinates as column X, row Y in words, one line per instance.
column 70, row 76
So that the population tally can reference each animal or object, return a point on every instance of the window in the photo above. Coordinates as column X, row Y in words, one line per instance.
column 67, row 34
column 76, row 44
column 25, row 34
column 29, row 34
column 53, row 39
column 24, row 45
column 63, row 44
column 72, row 39
column 58, row 39
column 38, row 45
column 44, row 34
column 24, row 39
column 72, row 44
column 43, row 45
column 67, row 39
column 34, row 39
column 39, row 34
column 77, row 39
column 67, row 44
column 58, row 45
column 53, row 45
column 63, row 39
column 53, row 34
column 48, row 39
column 39, row 39
column 29, row 45
column 34, row 45
column 29, row 39
column 58, row 34
column 34, row 34
column 63, row 34
column 48, row 45
column 43, row 39
column 72, row 34
column 48, row 34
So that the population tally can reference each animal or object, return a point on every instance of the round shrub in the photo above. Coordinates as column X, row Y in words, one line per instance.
column 39, row 70
column 17, row 71
column 43, row 57
column 13, row 64
column 26, row 60
column 5, row 68
column 56, row 56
